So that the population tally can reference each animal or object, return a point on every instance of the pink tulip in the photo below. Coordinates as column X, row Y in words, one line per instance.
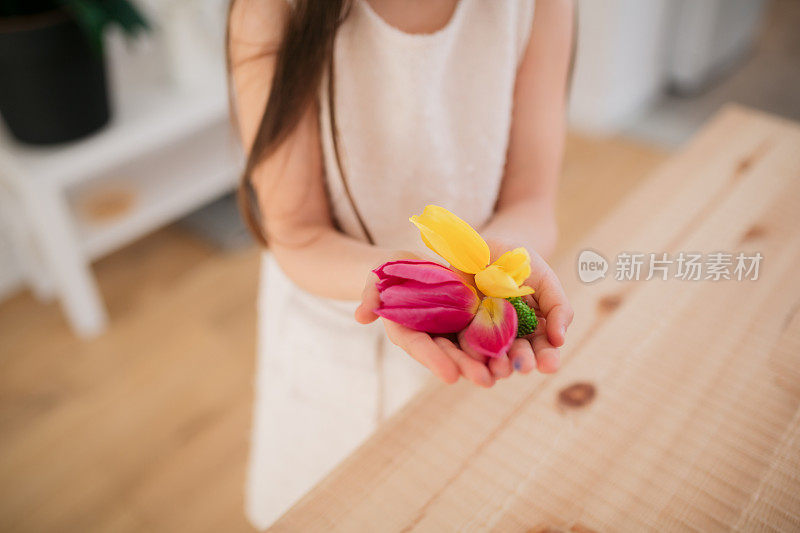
column 493, row 329
column 425, row 296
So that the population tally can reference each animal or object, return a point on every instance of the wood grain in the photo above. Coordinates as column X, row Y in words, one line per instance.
column 146, row 428
column 695, row 416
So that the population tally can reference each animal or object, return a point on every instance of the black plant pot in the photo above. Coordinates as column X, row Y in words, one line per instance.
column 52, row 82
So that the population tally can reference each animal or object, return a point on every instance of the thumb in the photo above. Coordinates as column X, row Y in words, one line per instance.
column 370, row 300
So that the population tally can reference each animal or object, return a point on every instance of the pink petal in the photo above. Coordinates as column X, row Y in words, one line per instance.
column 422, row 271
column 493, row 329
column 415, row 294
column 430, row 319
column 425, row 296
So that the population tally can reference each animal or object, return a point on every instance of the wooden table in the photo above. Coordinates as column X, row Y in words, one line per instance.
column 678, row 404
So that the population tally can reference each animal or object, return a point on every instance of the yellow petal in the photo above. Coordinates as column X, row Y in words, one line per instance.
column 453, row 239
column 516, row 263
column 494, row 281
column 524, row 290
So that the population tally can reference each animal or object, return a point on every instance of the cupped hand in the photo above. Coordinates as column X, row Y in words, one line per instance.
column 541, row 348
column 439, row 354
column 444, row 357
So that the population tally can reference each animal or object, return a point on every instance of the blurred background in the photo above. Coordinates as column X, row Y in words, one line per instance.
column 127, row 282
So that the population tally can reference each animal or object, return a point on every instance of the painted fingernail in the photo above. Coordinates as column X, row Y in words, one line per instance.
column 517, row 363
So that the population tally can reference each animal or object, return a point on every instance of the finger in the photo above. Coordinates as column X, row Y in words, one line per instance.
column 548, row 359
column 467, row 348
column 370, row 300
column 469, row 367
column 421, row 347
column 552, row 301
column 532, row 303
column 500, row 366
column 559, row 319
column 521, row 356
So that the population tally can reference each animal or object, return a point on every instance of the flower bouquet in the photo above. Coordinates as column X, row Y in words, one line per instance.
column 426, row 296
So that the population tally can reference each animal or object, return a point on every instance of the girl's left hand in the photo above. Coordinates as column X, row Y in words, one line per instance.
column 554, row 312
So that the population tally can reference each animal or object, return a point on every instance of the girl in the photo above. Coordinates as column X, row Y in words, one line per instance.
column 356, row 114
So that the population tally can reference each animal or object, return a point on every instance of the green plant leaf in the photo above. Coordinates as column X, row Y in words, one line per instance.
column 123, row 13
column 95, row 15
column 90, row 16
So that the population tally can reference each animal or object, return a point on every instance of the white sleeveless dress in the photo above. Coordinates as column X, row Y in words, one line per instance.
column 422, row 119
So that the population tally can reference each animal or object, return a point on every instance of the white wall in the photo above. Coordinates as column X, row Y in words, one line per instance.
column 709, row 36
column 10, row 276
column 10, row 271
column 621, row 62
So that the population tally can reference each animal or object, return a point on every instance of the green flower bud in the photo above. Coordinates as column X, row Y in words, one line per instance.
column 526, row 318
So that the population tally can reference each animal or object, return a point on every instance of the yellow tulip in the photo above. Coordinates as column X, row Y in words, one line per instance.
column 453, row 239
column 495, row 281
column 462, row 247
column 516, row 263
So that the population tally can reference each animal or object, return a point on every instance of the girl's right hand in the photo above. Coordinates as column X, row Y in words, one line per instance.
column 441, row 356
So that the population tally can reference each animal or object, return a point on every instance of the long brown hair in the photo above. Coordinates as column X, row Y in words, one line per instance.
column 305, row 51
